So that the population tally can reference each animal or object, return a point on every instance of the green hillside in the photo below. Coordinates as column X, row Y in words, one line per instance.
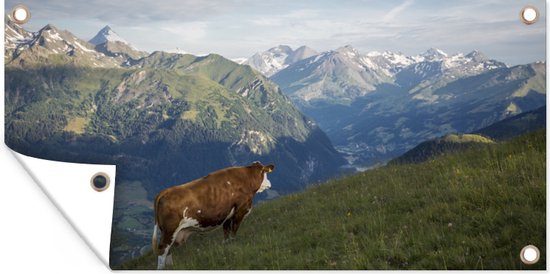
column 471, row 210
column 516, row 125
column 450, row 143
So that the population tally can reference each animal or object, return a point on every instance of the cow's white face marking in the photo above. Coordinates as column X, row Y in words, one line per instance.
column 266, row 184
column 199, row 211
column 228, row 182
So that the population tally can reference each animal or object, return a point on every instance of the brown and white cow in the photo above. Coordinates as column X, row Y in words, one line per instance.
column 223, row 197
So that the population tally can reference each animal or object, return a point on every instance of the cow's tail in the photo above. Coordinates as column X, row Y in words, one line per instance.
column 154, row 242
column 156, row 229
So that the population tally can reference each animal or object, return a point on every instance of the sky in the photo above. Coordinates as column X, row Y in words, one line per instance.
column 240, row 28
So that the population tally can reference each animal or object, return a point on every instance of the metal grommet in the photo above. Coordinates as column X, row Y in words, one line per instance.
column 529, row 254
column 529, row 15
column 20, row 14
column 100, row 181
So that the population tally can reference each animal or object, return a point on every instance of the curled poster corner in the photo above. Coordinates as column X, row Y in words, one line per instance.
column 67, row 185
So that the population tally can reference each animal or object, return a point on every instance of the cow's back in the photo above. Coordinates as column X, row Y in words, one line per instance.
column 209, row 200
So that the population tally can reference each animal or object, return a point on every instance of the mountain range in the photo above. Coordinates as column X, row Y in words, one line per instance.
column 342, row 75
column 376, row 106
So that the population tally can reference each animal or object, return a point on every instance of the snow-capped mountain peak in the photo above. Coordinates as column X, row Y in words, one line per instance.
column 106, row 34
column 476, row 56
column 15, row 35
column 343, row 74
column 301, row 53
column 24, row 47
column 434, row 54
column 277, row 58
column 398, row 58
column 373, row 54
column 108, row 42
column 387, row 61
column 281, row 49
column 239, row 60
column 348, row 50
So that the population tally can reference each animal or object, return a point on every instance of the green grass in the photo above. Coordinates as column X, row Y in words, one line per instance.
column 77, row 125
column 448, row 144
column 471, row 210
column 467, row 138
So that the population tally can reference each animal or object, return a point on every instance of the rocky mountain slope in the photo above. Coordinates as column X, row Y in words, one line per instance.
column 339, row 77
column 14, row 36
column 108, row 42
column 516, row 125
column 51, row 47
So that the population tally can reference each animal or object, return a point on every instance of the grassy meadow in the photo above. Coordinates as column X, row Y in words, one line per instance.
column 474, row 209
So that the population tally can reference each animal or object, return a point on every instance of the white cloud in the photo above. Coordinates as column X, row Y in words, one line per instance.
column 267, row 21
column 130, row 12
column 276, row 20
column 190, row 31
column 302, row 14
column 390, row 16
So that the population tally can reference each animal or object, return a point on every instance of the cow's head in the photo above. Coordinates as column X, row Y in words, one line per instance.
column 262, row 171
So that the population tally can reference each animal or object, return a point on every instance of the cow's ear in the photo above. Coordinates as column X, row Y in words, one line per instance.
column 268, row 168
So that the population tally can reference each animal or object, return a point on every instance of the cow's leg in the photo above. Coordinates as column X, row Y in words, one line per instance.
column 227, row 226
column 164, row 250
column 169, row 261
column 169, row 228
column 178, row 238
column 242, row 211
